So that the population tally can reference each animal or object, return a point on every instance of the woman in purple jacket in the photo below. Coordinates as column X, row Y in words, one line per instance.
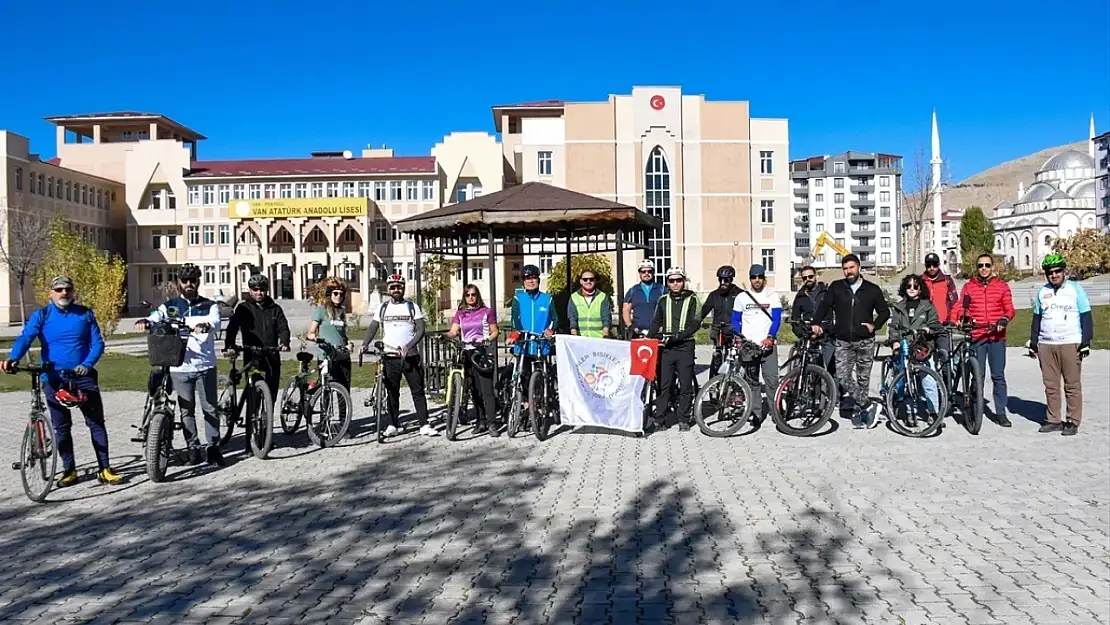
column 476, row 323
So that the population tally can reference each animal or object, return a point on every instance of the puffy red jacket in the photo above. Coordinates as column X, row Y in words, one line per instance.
column 985, row 303
column 942, row 292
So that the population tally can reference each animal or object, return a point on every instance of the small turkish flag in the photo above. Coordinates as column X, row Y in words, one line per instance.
column 645, row 358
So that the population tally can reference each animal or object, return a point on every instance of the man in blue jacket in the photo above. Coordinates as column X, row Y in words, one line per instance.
column 70, row 340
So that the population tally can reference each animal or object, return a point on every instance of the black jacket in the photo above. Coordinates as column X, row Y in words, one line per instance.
column 720, row 306
column 263, row 324
column 852, row 310
column 684, row 336
column 807, row 301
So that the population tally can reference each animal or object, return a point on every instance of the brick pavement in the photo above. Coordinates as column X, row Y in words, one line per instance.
column 853, row 527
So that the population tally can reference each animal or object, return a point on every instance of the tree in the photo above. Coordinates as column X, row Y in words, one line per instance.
column 436, row 274
column 97, row 275
column 557, row 278
column 917, row 207
column 1087, row 251
column 976, row 237
column 24, row 239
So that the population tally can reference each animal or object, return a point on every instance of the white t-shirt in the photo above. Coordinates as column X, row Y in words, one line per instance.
column 755, row 325
column 398, row 327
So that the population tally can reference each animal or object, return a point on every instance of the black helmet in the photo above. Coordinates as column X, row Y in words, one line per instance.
column 530, row 271
column 727, row 272
column 188, row 271
column 481, row 360
column 932, row 259
column 259, row 281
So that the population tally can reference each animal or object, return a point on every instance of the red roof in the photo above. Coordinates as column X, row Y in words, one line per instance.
column 55, row 161
column 313, row 167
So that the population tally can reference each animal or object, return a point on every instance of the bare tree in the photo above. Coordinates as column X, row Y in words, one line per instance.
column 917, row 205
column 24, row 239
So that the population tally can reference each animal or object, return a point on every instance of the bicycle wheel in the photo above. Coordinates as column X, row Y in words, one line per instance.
column 909, row 411
column 514, row 410
column 225, row 408
column 159, row 445
column 971, row 400
column 808, row 394
column 332, row 405
column 455, row 405
column 38, row 458
column 540, row 404
column 292, row 406
column 262, row 421
column 378, row 397
column 730, row 394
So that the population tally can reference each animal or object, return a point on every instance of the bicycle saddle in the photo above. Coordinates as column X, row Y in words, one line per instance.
column 304, row 357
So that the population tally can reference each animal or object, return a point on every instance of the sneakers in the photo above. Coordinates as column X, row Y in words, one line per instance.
column 683, row 426
column 69, row 478
column 196, row 456
column 1049, row 428
column 1003, row 421
column 1070, row 429
column 428, row 430
column 857, row 421
column 391, row 431
column 481, row 428
column 109, row 477
column 214, row 456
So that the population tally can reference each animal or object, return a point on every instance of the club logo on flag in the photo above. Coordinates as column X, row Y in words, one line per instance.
column 597, row 384
column 602, row 374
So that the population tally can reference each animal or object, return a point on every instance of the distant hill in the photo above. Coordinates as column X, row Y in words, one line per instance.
column 1000, row 182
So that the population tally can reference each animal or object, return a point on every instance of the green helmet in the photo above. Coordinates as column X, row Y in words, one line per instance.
column 260, row 281
column 1054, row 261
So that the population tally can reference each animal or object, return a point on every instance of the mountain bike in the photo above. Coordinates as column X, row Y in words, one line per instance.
column 38, row 455
column 377, row 398
column 511, row 390
column 963, row 375
column 808, row 391
column 165, row 348
column 459, row 390
column 294, row 397
column 732, row 391
column 904, row 387
column 326, row 400
column 651, row 390
column 543, row 396
column 254, row 407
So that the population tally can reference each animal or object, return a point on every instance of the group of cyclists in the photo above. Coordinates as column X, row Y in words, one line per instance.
column 851, row 311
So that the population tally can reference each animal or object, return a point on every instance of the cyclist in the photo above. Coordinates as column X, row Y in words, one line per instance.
column 402, row 323
column 916, row 312
column 1061, row 335
column 195, row 379
column 70, row 339
column 263, row 324
column 719, row 304
column 329, row 322
column 677, row 317
column 590, row 312
column 756, row 316
column 533, row 311
column 943, row 294
column 640, row 300
column 805, row 305
column 475, row 322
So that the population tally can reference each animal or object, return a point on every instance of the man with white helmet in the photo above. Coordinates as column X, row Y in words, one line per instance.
column 640, row 300
column 676, row 321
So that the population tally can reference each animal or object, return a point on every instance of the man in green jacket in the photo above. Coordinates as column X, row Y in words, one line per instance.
column 590, row 310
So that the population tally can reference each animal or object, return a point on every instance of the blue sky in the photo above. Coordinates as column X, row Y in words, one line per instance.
column 282, row 78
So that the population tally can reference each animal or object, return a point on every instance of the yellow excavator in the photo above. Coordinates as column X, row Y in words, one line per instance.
column 824, row 239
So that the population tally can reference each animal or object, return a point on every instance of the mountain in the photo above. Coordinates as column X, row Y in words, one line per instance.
column 988, row 188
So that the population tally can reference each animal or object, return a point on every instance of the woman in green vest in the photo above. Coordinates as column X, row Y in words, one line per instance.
column 590, row 311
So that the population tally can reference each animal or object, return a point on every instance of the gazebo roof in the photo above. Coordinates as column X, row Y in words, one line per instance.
column 530, row 207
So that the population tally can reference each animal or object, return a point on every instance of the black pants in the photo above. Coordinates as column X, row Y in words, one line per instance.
column 718, row 356
column 675, row 363
column 340, row 371
column 271, row 365
column 481, row 389
column 413, row 369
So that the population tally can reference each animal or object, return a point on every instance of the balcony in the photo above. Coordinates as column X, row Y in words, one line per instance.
column 802, row 204
column 802, row 190
column 802, row 250
column 863, row 218
column 863, row 188
column 864, row 249
column 862, row 203
column 801, row 220
column 863, row 234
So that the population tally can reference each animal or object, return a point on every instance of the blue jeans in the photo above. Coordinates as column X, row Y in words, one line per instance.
column 929, row 385
column 193, row 388
column 993, row 353
column 62, row 418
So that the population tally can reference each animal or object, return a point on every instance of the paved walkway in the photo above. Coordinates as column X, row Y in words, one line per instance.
column 855, row 526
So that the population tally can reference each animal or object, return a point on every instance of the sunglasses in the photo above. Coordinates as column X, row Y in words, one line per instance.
column 589, row 279
column 809, row 277
column 757, row 277
column 676, row 280
column 255, row 289
column 647, row 271
column 193, row 281
column 471, row 294
column 927, row 265
column 396, row 287
column 725, row 280
column 985, row 265
column 1049, row 272
column 913, row 287
column 63, row 289
column 531, row 277
column 334, row 293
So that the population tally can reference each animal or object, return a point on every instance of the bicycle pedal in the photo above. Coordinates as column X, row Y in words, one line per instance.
column 138, row 440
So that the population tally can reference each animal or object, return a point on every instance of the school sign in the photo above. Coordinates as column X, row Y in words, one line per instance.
column 302, row 207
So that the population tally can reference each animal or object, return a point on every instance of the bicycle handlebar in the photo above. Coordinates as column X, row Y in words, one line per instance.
column 46, row 367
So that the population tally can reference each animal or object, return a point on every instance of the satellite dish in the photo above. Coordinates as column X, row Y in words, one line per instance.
column 347, row 154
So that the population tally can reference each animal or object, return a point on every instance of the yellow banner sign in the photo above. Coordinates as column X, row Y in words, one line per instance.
column 305, row 207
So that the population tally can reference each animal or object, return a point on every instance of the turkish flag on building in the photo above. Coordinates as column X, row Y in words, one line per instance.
column 645, row 358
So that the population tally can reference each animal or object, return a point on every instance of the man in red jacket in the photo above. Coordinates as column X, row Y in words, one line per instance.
column 987, row 300
column 942, row 288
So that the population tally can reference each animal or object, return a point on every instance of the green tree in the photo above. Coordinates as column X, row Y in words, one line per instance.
column 557, row 278
column 97, row 275
column 1087, row 251
column 436, row 274
column 976, row 237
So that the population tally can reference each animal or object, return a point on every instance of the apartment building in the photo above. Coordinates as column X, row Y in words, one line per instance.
column 715, row 175
column 950, row 241
column 856, row 197
column 1101, row 153
column 92, row 204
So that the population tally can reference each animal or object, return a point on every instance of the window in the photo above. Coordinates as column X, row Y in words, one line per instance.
column 350, row 272
column 364, row 189
column 838, row 198
column 885, row 258
column 348, row 189
column 317, row 236
column 300, row 190
column 460, row 192
column 768, row 257
column 69, row 192
column 209, row 195
column 838, row 228
column 884, row 181
column 224, row 194
column 380, row 229
column 19, row 180
column 410, row 269
column 864, row 196
column 884, row 226
column 379, row 191
column 50, row 186
column 42, row 190
column 395, row 191
column 269, row 191
column 820, row 227
column 171, row 199
column 194, row 196
column 657, row 203
column 884, row 196
column 58, row 187
column 255, row 191
column 396, row 233
column 156, row 239
column 838, row 183
column 819, row 183
column 333, row 189
column 838, row 213
column 838, row 168
column 84, row 191
column 209, row 274
column 766, row 166
column 225, row 234
column 285, row 190
column 225, row 274
column 155, row 276
column 210, row 235
column 543, row 163
column 820, row 197
column 884, row 242
column 317, row 189
column 193, row 234
column 767, row 211
column 155, row 199
column 429, row 190
column 238, row 191
column 884, row 211
column 547, row 263
column 349, row 235
column 412, row 190
column 477, row 272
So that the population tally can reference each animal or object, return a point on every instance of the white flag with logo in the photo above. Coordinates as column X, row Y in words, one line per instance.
column 599, row 384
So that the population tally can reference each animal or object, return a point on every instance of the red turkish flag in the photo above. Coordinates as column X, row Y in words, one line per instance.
column 645, row 358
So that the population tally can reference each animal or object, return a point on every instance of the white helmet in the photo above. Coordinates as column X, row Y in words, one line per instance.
column 676, row 271
column 645, row 264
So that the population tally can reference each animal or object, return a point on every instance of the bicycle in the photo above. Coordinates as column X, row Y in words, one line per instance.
column 807, row 391
column 165, row 349
column 742, row 362
column 377, row 395
column 963, row 375
column 292, row 409
column 651, row 390
column 320, row 399
column 901, row 387
column 38, row 455
column 543, row 396
column 458, row 382
column 258, row 420
column 510, row 385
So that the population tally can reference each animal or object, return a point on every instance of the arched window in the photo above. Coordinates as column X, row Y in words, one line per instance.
column 1048, row 239
column 657, row 203
column 1026, row 261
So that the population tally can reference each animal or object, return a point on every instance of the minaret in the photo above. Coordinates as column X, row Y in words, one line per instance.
column 1091, row 138
column 938, row 190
